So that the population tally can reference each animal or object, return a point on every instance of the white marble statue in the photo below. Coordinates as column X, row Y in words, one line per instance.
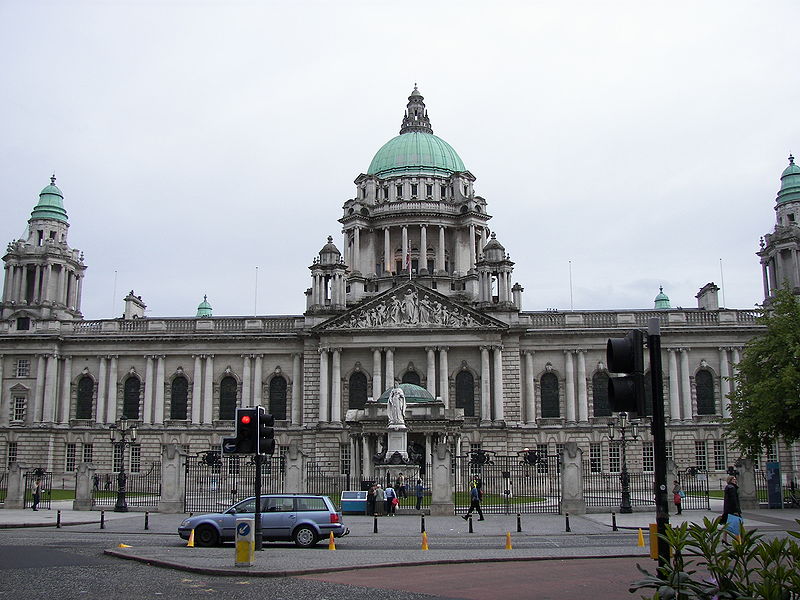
column 396, row 408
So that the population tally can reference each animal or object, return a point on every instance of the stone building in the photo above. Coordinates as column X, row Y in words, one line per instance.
column 422, row 292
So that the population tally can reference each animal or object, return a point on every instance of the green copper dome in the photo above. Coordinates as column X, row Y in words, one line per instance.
column 204, row 308
column 662, row 300
column 51, row 203
column 790, row 183
column 414, row 394
column 416, row 153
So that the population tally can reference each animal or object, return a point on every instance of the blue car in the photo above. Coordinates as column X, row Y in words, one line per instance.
column 302, row 518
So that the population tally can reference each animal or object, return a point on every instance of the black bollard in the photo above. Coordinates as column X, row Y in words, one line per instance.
column 102, row 519
column 519, row 523
column 422, row 523
column 375, row 524
column 470, row 524
column 568, row 529
column 146, row 520
column 614, row 522
column 58, row 519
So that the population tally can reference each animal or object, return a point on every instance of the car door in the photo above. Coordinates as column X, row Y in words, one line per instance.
column 279, row 517
column 243, row 510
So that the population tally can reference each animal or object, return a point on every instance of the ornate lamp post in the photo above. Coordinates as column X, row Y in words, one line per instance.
column 123, row 431
column 627, row 431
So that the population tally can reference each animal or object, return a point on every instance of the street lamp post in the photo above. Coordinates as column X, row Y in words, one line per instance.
column 123, row 431
column 627, row 431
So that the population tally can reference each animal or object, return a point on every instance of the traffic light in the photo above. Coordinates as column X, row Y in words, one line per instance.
column 625, row 356
column 246, row 430
column 266, row 432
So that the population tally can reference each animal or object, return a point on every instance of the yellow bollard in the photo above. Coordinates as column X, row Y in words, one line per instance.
column 331, row 543
column 122, row 546
column 424, row 540
column 641, row 539
column 190, row 544
column 508, row 540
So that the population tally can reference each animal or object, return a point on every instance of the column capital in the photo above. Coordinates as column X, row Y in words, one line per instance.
column 195, row 356
column 388, row 349
column 376, row 349
column 430, row 348
column 527, row 352
column 64, row 356
column 209, row 356
column 444, row 348
column 485, row 348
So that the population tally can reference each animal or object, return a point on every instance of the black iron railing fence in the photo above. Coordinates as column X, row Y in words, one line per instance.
column 142, row 490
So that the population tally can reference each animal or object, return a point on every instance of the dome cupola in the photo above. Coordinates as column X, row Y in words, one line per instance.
column 661, row 300
column 790, row 183
column 51, row 203
column 494, row 251
column 204, row 308
column 329, row 255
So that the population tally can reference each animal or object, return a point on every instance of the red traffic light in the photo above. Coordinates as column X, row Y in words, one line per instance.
column 246, row 419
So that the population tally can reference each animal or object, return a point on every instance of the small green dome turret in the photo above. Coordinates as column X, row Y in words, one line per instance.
column 51, row 203
column 414, row 394
column 204, row 308
column 662, row 300
column 790, row 183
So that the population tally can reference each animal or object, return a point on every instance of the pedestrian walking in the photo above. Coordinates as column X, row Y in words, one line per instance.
column 677, row 495
column 96, row 482
column 400, row 486
column 731, row 506
column 108, row 481
column 371, row 500
column 380, row 500
column 419, row 489
column 391, row 500
column 37, row 492
column 474, row 502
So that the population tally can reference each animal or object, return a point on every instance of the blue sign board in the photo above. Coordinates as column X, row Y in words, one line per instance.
column 774, row 493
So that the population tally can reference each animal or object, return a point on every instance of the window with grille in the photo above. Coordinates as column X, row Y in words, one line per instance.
column 595, row 457
column 85, row 398
column 136, row 458
column 277, row 398
column 700, row 455
column 18, row 408
column 668, row 450
column 614, row 458
column 117, row 461
column 648, row 457
column 11, row 458
column 130, row 398
column 549, row 385
column 23, row 367
column 179, row 398
column 344, row 459
column 357, row 391
column 88, row 453
column 69, row 457
column 720, row 456
column 772, row 453
column 227, row 399
column 704, row 385
column 600, row 395
column 465, row 393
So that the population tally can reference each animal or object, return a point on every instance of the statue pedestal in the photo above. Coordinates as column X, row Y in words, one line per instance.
column 397, row 442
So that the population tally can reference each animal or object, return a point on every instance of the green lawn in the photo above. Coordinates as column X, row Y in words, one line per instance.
column 463, row 499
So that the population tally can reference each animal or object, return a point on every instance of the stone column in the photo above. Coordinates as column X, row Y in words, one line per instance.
column 66, row 388
column 100, row 413
column 336, row 387
column 440, row 250
column 404, row 232
column 471, row 247
column 356, row 266
column 297, row 390
column 46, row 283
column 498, row 384
column 765, row 279
column 150, row 386
column 15, row 491
column 5, row 411
column 444, row 377
column 365, row 457
column 111, row 407
column 389, row 368
column 49, row 400
column 295, row 470
column 583, row 396
column 572, row 480
column 246, row 395
column 208, row 392
column 724, row 384
column 197, row 388
column 323, row 385
column 6, row 280
column 159, row 402
column 686, row 389
column 430, row 382
column 441, row 482
column 735, row 368
column 486, row 386
column 83, row 487
column 78, row 292
column 388, row 259
column 674, row 396
column 173, row 482
column 23, row 286
column 748, row 498
column 35, row 415
column 569, row 374
column 423, row 249
column 530, row 389
column 377, row 384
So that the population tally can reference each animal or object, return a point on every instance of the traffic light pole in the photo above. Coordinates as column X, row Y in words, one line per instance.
column 259, row 536
column 659, row 439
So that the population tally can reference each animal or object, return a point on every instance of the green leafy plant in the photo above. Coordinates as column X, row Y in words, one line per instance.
column 708, row 564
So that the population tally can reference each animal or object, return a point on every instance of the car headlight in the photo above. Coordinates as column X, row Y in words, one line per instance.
column 184, row 523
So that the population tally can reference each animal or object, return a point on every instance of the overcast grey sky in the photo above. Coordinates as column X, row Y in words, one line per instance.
column 197, row 140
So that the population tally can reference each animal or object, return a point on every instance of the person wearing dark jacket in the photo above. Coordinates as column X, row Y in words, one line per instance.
column 730, row 501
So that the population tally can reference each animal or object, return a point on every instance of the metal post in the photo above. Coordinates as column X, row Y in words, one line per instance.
column 102, row 519
column 614, row 522
column 58, row 519
column 470, row 524
column 625, row 478
column 568, row 530
column 422, row 524
column 659, row 440
column 259, row 536
column 519, row 523
column 375, row 524
column 146, row 520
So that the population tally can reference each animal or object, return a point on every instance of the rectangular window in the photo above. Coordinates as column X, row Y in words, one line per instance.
column 614, row 460
column 18, row 408
column 772, row 453
column 23, row 323
column 429, row 190
column 720, row 456
column 88, row 453
column 595, row 457
column 344, row 459
column 399, row 192
column 414, row 189
column 117, row 465
column 444, row 191
column 543, row 465
column 69, row 461
column 700, row 455
column 386, row 193
column 668, row 450
column 136, row 458
column 23, row 367
column 648, row 457
column 12, row 454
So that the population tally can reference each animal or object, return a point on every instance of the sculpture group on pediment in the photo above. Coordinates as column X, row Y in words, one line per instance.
column 410, row 309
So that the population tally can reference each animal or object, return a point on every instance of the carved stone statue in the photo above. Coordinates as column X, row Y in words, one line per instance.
column 396, row 408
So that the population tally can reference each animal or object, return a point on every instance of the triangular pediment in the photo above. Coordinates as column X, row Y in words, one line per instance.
column 410, row 306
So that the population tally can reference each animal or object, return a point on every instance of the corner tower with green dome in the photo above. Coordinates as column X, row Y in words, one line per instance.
column 416, row 215
column 43, row 275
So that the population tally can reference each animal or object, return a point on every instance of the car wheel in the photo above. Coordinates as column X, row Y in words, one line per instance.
column 206, row 536
column 305, row 537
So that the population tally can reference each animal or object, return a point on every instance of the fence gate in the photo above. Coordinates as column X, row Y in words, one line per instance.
column 509, row 483
column 213, row 482
column 142, row 490
column 326, row 478
column 46, row 478
column 605, row 489
column 694, row 482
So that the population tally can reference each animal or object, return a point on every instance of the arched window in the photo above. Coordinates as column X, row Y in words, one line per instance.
column 130, row 398
column 600, row 395
column 704, row 384
column 358, row 391
column 411, row 377
column 277, row 398
column 227, row 398
column 465, row 393
column 180, row 394
column 549, row 385
column 83, row 408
